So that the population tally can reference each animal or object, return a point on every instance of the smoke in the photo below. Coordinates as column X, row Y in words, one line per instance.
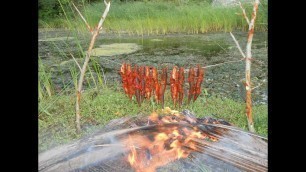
column 82, row 154
column 235, row 150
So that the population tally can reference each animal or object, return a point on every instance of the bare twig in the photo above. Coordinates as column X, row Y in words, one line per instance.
column 257, row 86
column 233, row 61
column 88, row 27
column 248, row 68
column 219, row 45
column 237, row 44
column 83, row 70
column 218, row 64
column 76, row 61
column 187, row 70
column 104, row 14
column 244, row 14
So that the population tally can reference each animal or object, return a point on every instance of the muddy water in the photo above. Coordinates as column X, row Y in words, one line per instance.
column 175, row 49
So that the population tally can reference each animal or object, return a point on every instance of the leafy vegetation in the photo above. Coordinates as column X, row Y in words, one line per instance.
column 56, row 113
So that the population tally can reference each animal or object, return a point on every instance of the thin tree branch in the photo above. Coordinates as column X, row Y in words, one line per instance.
column 76, row 62
column 237, row 44
column 248, row 68
column 218, row 64
column 260, row 84
column 243, row 12
column 88, row 27
column 233, row 61
column 187, row 70
column 104, row 14
column 95, row 33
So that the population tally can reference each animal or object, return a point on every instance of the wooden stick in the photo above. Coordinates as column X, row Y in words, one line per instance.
column 248, row 68
column 87, row 58
column 244, row 14
column 237, row 44
column 248, row 58
column 104, row 14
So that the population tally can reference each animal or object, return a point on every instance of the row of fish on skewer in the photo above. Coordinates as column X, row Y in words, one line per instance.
column 145, row 81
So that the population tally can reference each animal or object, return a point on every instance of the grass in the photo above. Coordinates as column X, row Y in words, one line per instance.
column 57, row 113
column 145, row 18
column 45, row 86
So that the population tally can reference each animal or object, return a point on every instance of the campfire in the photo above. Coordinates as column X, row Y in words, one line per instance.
column 167, row 144
column 167, row 139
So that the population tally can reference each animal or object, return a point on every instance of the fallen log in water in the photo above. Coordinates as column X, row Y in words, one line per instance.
column 224, row 148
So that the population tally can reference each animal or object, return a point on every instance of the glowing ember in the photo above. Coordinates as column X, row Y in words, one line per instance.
column 165, row 144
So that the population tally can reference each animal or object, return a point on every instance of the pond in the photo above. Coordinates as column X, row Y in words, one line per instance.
column 226, row 81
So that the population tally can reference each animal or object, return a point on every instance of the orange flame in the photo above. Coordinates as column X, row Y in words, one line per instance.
column 163, row 146
column 132, row 156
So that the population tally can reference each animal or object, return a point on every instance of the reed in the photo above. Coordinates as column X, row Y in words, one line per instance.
column 147, row 18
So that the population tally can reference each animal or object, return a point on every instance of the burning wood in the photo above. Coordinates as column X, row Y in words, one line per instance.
column 169, row 139
column 166, row 144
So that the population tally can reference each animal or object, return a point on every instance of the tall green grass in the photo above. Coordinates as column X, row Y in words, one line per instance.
column 144, row 18
column 45, row 85
column 99, row 107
